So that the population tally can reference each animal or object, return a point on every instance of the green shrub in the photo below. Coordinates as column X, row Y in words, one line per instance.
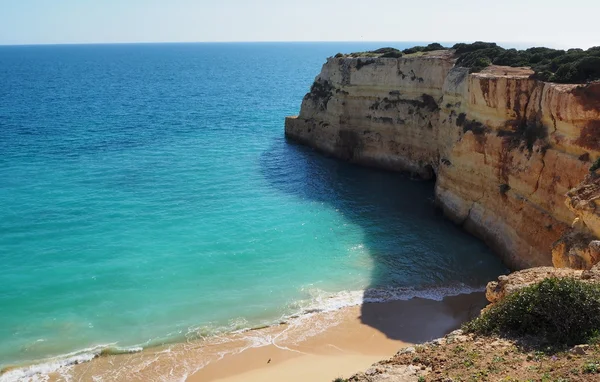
column 557, row 311
column 572, row 66
column 462, row 48
column 386, row 50
column 479, row 64
column 591, row 368
column 396, row 54
column 429, row 48
column 381, row 52
column 414, row 49
column 554, row 65
column 595, row 166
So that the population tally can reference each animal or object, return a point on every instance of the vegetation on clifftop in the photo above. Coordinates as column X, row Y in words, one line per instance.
column 429, row 48
column 525, row 336
column 552, row 65
column 379, row 53
column 556, row 312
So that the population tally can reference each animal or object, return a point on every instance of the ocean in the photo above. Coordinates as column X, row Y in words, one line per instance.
column 148, row 196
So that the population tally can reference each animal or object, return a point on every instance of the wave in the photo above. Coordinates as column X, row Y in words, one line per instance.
column 321, row 301
column 39, row 371
column 317, row 302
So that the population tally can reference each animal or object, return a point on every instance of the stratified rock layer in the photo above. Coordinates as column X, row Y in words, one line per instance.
column 504, row 148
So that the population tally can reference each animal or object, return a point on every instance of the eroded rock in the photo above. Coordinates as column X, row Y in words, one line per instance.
column 504, row 148
column 506, row 285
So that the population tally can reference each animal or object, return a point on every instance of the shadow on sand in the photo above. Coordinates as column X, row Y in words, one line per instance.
column 410, row 242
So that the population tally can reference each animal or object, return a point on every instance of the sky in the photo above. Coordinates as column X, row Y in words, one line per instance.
column 560, row 24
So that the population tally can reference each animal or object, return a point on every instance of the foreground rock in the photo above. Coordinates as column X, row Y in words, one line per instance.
column 460, row 357
column 468, row 357
column 504, row 148
column 506, row 285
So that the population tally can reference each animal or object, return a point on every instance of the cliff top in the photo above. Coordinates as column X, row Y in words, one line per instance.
column 507, row 71
column 572, row 66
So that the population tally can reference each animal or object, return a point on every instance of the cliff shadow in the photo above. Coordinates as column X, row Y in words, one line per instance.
column 414, row 250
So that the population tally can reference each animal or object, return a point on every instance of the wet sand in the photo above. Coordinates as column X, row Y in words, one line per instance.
column 319, row 346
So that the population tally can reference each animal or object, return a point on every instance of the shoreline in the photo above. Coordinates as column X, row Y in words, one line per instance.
column 319, row 345
column 323, row 308
column 351, row 345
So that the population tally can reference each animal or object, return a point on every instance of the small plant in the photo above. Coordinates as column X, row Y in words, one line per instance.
column 421, row 379
column 595, row 166
column 591, row 368
column 459, row 349
column 338, row 379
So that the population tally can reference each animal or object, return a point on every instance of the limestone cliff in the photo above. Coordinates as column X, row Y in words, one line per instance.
column 504, row 148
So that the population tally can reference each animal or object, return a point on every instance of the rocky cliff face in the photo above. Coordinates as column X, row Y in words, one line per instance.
column 504, row 149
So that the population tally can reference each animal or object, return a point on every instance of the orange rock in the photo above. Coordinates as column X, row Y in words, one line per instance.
column 504, row 148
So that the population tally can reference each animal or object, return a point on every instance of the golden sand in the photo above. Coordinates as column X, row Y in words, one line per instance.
column 319, row 346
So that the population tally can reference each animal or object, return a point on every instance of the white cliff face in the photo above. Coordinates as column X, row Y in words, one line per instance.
column 505, row 149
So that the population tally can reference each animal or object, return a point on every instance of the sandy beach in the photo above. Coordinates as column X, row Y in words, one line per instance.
column 350, row 346
column 318, row 346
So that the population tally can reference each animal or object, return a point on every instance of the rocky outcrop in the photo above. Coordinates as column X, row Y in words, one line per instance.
column 506, row 285
column 504, row 148
column 461, row 356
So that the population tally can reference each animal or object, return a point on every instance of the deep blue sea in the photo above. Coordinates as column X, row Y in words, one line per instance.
column 148, row 195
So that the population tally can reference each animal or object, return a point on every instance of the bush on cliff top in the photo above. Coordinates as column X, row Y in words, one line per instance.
column 429, row 48
column 557, row 311
column 571, row 66
column 381, row 53
column 552, row 65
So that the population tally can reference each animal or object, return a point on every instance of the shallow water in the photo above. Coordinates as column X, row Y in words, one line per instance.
column 147, row 196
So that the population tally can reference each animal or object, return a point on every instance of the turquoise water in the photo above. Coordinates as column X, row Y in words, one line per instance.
column 147, row 195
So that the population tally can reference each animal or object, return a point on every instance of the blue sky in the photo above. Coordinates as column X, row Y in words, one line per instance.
column 555, row 23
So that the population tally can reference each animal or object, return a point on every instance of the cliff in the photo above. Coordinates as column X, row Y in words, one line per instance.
column 504, row 148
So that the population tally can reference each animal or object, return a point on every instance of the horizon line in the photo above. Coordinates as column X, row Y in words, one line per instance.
column 253, row 42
